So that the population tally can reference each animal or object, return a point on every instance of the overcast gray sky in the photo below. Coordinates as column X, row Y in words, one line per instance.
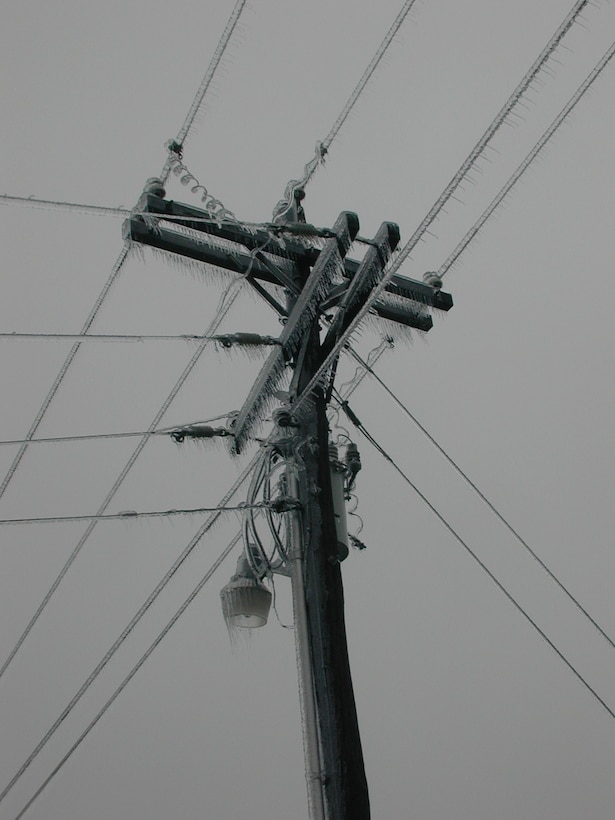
column 465, row 711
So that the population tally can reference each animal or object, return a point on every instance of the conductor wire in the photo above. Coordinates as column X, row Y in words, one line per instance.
column 322, row 147
column 447, row 193
column 353, row 418
column 206, row 526
column 484, row 499
column 153, row 646
column 63, row 370
column 229, row 296
column 205, row 84
column 183, row 132
column 522, row 168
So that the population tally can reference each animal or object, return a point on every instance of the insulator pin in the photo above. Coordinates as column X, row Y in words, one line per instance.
column 433, row 279
column 155, row 187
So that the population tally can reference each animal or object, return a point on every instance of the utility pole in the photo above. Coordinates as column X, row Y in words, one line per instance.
column 302, row 283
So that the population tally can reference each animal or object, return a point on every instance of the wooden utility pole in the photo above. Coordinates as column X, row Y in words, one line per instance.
column 302, row 282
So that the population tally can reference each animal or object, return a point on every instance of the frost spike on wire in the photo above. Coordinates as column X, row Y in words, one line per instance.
column 202, row 90
column 450, row 189
column 525, row 164
column 322, row 147
column 224, row 306
column 183, row 132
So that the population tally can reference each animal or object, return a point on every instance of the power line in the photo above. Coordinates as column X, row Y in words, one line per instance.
column 202, row 90
column 323, row 146
column 483, row 497
column 470, row 161
column 522, row 168
column 64, row 369
column 224, row 306
column 94, row 210
column 164, row 431
column 367, row 74
column 127, row 515
column 129, row 628
column 227, row 340
column 196, row 104
column 358, row 424
column 133, row 672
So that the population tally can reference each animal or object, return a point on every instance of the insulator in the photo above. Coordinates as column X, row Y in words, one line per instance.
column 284, row 503
column 284, row 418
column 245, row 339
column 197, row 431
column 433, row 279
column 155, row 187
column 352, row 459
column 356, row 543
column 174, row 147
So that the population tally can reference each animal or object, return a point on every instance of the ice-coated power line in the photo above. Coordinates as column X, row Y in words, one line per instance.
column 127, row 515
column 323, row 146
column 129, row 628
column 358, row 424
column 163, row 431
column 461, row 174
column 227, row 340
column 227, row 550
column 202, row 90
column 54, row 204
column 119, row 263
column 531, row 156
column 224, row 306
column 196, row 104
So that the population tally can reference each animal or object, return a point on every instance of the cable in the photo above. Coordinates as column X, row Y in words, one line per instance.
column 225, row 304
column 95, row 210
column 144, row 337
column 305, row 231
column 205, row 83
column 323, row 146
column 128, row 515
column 361, row 372
column 196, row 104
column 133, row 671
column 446, row 194
column 64, row 369
column 522, row 168
column 128, row 629
column 353, row 418
column 164, row 431
column 483, row 498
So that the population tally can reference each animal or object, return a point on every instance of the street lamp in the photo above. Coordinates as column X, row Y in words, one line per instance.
column 246, row 601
